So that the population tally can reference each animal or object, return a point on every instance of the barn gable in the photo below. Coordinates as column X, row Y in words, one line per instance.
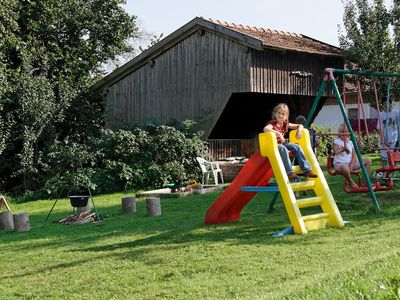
column 227, row 75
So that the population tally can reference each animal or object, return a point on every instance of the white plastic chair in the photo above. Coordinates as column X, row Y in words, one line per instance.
column 207, row 168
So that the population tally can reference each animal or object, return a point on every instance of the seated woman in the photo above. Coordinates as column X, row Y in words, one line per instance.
column 345, row 158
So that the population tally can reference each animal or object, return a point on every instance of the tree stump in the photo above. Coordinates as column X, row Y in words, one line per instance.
column 6, row 220
column 153, row 205
column 128, row 204
column 21, row 222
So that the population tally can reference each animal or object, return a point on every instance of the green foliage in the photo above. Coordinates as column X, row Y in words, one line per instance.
column 153, row 40
column 120, row 160
column 367, row 144
column 50, row 53
column 371, row 42
column 84, row 117
column 35, row 105
column 325, row 142
column 367, row 39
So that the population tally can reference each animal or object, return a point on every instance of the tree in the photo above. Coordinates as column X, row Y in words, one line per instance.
column 50, row 53
column 371, row 38
column 367, row 40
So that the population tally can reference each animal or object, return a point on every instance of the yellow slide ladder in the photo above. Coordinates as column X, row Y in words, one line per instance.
column 330, row 214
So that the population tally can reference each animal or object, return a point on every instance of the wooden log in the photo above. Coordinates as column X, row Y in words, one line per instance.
column 21, row 222
column 6, row 220
column 128, row 204
column 153, row 205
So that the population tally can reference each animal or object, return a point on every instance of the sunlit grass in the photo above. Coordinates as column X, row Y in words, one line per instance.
column 177, row 256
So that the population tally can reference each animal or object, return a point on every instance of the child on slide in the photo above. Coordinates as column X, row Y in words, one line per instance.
column 280, row 125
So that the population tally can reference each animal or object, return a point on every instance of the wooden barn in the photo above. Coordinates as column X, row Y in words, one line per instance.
column 226, row 76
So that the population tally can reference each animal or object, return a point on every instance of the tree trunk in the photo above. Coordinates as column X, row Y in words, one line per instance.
column 6, row 220
column 21, row 222
column 128, row 204
column 153, row 205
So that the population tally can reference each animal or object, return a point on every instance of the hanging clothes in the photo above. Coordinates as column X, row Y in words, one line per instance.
column 390, row 121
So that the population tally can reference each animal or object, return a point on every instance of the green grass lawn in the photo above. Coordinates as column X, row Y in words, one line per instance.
column 177, row 256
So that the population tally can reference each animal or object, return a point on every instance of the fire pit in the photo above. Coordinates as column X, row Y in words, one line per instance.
column 79, row 200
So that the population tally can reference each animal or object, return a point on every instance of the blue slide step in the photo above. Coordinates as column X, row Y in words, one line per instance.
column 272, row 187
column 288, row 230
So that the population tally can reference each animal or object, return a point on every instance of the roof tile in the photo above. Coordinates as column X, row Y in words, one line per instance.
column 283, row 40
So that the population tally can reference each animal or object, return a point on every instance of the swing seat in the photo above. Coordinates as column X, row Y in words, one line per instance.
column 331, row 169
column 361, row 189
column 377, row 187
column 393, row 159
column 333, row 172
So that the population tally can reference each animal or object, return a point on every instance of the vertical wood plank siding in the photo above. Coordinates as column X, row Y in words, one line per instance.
column 222, row 148
column 289, row 73
column 194, row 77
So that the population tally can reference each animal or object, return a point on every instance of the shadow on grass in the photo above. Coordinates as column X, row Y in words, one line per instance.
column 46, row 269
column 181, row 223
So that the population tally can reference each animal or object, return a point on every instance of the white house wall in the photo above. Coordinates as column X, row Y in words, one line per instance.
column 330, row 116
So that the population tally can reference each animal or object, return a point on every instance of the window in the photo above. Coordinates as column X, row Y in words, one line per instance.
column 352, row 113
column 373, row 113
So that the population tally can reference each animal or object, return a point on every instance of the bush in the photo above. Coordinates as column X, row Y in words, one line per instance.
column 126, row 159
column 366, row 145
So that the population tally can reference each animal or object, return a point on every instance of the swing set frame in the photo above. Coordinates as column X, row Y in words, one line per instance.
column 330, row 77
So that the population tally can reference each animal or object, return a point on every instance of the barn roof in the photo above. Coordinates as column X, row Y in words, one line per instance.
column 283, row 40
column 253, row 37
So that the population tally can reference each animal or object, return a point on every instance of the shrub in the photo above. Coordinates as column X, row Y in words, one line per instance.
column 126, row 159
column 365, row 146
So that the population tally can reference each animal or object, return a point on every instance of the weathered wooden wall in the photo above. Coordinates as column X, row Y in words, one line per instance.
column 193, row 78
column 222, row 148
column 289, row 73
